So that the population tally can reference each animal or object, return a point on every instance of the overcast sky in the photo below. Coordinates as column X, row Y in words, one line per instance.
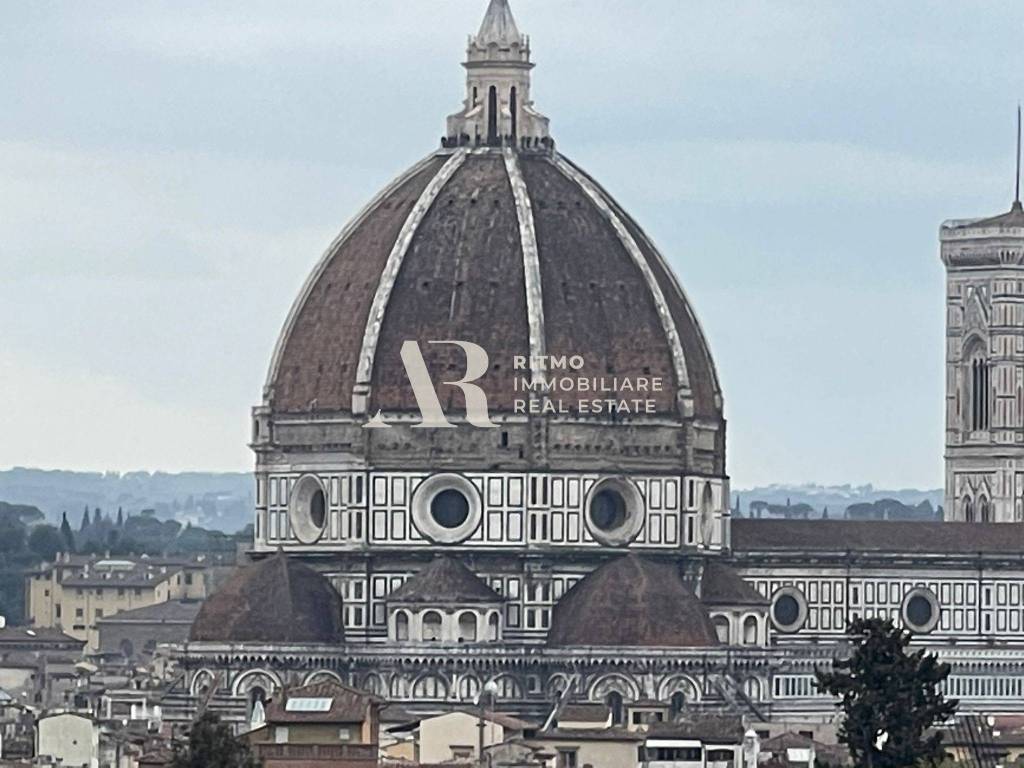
column 171, row 171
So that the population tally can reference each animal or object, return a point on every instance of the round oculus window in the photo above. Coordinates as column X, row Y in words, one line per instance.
column 446, row 508
column 789, row 609
column 307, row 509
column 920, row 610
column 449, row 508
column 615, row 511
column 608, row 509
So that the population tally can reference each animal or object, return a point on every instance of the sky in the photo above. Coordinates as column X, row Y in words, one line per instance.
column 170, row 172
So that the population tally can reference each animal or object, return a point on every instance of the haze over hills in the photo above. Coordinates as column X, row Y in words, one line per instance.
column 215, row 500
column 224, row 500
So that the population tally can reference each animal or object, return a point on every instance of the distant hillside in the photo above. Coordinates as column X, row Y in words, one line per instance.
column 218, row 501
column 862, row 501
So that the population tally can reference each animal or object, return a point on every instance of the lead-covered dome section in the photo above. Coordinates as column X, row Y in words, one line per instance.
column 519, row 252
column 651, row 606
column 277, row 600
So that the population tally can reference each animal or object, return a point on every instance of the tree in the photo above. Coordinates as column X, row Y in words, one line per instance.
column 212, row 745
column 67, row 534
column 85, row 520
column 12, row 536
column 120, row 517
column 46, row 542
column 890, row 697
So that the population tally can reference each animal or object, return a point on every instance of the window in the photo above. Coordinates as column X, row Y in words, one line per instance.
column 568, row 758
column 57, row 610
column 493, row 627
column 721, row 628
column 281, row 735
column 79, row 613
column 401, row 626
column 979, row 373
column 750, row 631
column 449, row 508
column 432, row 627
column 467, row 627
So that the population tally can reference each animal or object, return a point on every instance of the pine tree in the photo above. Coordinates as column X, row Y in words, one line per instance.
column 66, row 533
column 212, row 745
column 85, row 519
column 120, row 517
column 889, row 697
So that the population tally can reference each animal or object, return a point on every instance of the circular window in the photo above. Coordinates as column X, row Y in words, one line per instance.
column 307, row 509
column 608, row 509
column 446, row 508
column 449, row 508
column 920, row 610
column 789, row 609
column 614, row 511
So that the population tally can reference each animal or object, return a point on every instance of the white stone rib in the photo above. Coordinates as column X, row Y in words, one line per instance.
column 318, row 270
column 531, row 265
column 685, row 394
column 663, row 263
column 375, row 320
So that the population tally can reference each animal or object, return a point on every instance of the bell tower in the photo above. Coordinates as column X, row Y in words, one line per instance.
column 984, row 261
column 498, row 109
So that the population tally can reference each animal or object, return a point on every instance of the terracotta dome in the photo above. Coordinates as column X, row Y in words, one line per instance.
column 517, row 251
column 277, row 600
column 631, row 601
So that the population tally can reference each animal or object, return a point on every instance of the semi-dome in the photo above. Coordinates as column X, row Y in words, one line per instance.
column 276, row 600
column 631, row 601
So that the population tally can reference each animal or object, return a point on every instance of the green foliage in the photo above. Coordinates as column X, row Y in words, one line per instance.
column 45, row 542
column 212, row 745
column 67, row 534
column 890, row 697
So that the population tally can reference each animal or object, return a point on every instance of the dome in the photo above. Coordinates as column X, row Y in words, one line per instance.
column 651, row 605
column 445, row 580
column 276, row 600
column 445, row 253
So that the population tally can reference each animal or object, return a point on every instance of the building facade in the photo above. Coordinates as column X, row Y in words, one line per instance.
column 491, row 449
column 984, row 261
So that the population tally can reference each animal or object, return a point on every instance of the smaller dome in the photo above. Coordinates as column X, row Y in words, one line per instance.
column 631, row 601
column 445, row 580
column 276, row 600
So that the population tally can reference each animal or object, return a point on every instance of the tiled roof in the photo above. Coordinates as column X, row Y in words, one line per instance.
column 838, row 536
column 584, row 712
column 170, row 611
column 725, row 729
column 445, row 580
column 721, row 585
column 36, row 636
column 347, row 705
column 277, row 600
column 648, row 600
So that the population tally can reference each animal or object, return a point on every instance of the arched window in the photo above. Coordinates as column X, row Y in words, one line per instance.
column 467, row 627
column 492, row 116
column 750, row 631
column 614, row 702
column 432, row 627
column 678, row 702
column 984, row 511
column 513, row 108
column 402, row 626
column 721, row 628
column 979, row 381
column 968, row 510
column 493, row 627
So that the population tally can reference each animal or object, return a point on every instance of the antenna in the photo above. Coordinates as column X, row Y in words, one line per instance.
column 1016, row 192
